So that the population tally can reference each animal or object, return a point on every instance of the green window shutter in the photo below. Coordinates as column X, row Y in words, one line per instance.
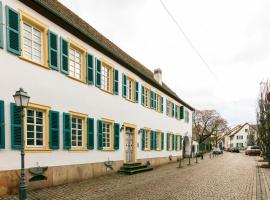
column 172, row 109
column 152, row 140
column 53, row 50
column 143, row 139
column 13, row 31
column 116, row 81
column 152, row 100
column 176, row 111
column 66, row 130
column 1, row 26
column 16, row 126
column 173, row 141
column 64, row 55
column 162, row 104
column 155, row 140
column 2, row 125
column 167, row 107
column 116, row 136
column 181, row 139
column 54, row 130
column 90, row 133
column 162, row 141
column 98, row 73
column 124, row 85
column 182, row 112
column 142, row 100
column 136, row 91
column 99, row 135
column 168, row 141
column 90, row 69
column 176, row 142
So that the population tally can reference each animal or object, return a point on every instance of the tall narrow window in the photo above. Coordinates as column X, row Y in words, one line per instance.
column 77, row 132
column 105, row 78
column 147, row 139
column 34, row 128
column 75, row 63
column 147, row 97
column 106, row 134
column 130, row 89
column 158, row 140
column 32, row 43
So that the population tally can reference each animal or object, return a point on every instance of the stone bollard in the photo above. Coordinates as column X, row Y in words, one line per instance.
column 196, row 158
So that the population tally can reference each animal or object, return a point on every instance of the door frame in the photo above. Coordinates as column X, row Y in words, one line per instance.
column 133, row 126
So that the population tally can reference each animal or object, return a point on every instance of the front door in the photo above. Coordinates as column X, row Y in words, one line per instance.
column 129, row 145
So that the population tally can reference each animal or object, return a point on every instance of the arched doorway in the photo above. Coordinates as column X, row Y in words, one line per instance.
column 186, row 147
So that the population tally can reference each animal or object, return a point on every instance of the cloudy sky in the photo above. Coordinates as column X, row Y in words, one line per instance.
column 232, row 36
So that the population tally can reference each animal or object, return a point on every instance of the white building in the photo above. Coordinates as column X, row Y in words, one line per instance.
column 240, row 136
column 90, row 101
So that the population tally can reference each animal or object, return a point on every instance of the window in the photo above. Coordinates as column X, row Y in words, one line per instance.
column 169, row 108
column 170, row 141
column 35, row 128
column 147, row 139
column 34, row 40
column 106, row 77
column 186, row 116
column 159, row 103
column 178, row 143
column 246, row 130
column 130, row 89
column 158, row 140
column 75, row 63
column 147, row 97
column 76, row 132
column 239, row 137
column 106, row 134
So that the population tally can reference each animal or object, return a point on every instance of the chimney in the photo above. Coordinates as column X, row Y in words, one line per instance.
column 158, row 75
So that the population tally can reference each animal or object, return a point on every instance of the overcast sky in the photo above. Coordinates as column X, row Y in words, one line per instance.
column 232, row 36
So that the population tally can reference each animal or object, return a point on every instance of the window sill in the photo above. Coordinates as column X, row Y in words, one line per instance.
column 35, row 63
column 81, row 81
column 109, row 149
column 78, row 150
column 109, row 92
column 37, row 150
column 132, row 101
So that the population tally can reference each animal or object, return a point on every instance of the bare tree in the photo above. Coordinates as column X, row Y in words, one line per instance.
column 209, row 123
column 263, row 120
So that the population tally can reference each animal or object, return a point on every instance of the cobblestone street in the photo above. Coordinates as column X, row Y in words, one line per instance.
column 229, row 176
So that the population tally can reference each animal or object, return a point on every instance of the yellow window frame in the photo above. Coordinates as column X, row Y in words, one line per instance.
column 158, row 145
column 132, row 88
column 147, row 90
column 44, row 32
column 111, row 122
column 82, row 50
column 108, row 65
column 170, row 141
column 82, row 116
column 45, row 109
column 159, row 104
column 147, row 144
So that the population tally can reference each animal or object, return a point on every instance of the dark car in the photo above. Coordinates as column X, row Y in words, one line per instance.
column 235, row 150
column 253, row 151
column 217, row 151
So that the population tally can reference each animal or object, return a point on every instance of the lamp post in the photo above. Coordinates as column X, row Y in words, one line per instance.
column 21, row 100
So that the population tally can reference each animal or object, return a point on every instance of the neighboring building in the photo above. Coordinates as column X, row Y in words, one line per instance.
column 90, row 101
column 241, row 136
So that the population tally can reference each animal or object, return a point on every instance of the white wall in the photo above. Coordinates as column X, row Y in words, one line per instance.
column 49, row 87
column 242, row 132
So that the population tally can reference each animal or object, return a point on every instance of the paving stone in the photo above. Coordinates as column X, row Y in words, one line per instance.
column 228, row 176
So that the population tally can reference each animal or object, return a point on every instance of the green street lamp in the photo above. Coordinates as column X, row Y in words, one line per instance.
column 21, row 100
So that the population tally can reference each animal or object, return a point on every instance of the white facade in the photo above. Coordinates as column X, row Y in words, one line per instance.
column 63, row 94
column 239, row 137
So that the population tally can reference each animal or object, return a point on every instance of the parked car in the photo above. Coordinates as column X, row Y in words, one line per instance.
column 217, row 151
column 253, row 151
column 235, row 150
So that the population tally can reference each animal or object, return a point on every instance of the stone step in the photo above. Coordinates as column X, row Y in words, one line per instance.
column 132, row 164
column 128, row 167
column 135, row 171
